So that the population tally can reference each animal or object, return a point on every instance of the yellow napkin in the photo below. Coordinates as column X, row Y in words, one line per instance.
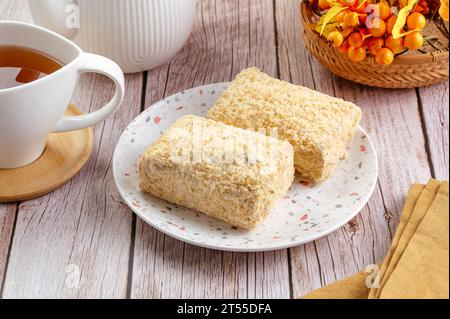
column 353, row 287
column 416, row 265
column 422, row 270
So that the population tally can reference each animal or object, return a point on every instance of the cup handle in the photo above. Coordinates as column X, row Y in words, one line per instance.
column 96, row 64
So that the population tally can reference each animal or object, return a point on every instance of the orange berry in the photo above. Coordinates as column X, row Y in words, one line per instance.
column 379, row 10
column 396, row 45
column 364, row 33
column 385, row 10
column 324, row 5
column 336, row 38
column 416, row 21
column 344, row 47
column 362, row 7
column 376, row 26
column 390, row 24
column 355, row 40
column 346, row 32
column 374, row 44
column 347, row 3
column 384, row 56
column 356, row 54
column 340, row 16
column 444, row 12
column 351, row 19
column 402, row 3
column 425, row 10
column 362, row 18
column 414, row 41
column 417, row 8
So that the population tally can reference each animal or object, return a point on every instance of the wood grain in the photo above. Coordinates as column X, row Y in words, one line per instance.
column 9, row 10
column 7, row 221
column 74, row 243
column 229, row 36
column 83, row 242
column 434, row 108
column 392, row 120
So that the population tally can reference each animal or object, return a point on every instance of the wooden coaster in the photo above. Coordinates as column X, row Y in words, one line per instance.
column 64, row 156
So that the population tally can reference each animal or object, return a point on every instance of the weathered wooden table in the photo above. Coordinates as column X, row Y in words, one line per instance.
column 81, row 241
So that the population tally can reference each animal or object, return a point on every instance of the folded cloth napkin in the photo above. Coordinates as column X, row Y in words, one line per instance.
column 353, row 287
column 417, row 263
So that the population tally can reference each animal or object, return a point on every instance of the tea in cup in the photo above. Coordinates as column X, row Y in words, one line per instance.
column 39, row 70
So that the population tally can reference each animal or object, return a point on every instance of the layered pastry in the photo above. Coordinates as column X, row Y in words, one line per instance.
column 318, row 126
column 225, row 172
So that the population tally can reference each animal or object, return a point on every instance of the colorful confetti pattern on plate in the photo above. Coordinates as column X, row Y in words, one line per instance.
column 308, row 212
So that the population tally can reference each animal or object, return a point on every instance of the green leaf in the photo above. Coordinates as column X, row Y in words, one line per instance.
column 401, row 19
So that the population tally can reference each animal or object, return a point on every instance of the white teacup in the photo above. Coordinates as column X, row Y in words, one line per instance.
column 30, row 112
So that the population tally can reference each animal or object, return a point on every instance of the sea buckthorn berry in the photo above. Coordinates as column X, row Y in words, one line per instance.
column 423, row 3
column 385, row 10
column 324, row 5
column 362, row 7
column 444, row 12
column 416, row 21
column 396, row 45
column 364, row 32
column 356, row 54
column 344, row 47
column 347, row 3
column 355, row 40
column 336, row 38
column 379, row 10
column 414, row 41
column 384, row 56
column 376, row 26
column 339, row 18
column 402, row 3
column 374, row 44
column 362, row 18
column 351, row 19
column 425, row 10
column 390, row 24
column 417, row 8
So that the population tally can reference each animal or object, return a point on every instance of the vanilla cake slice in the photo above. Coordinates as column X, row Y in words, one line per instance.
column 318, row 126
column 225, row 172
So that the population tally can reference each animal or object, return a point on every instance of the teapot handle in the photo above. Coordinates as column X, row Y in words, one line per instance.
column 60, row 16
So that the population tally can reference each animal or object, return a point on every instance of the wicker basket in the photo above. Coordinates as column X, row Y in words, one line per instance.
column 407, row 71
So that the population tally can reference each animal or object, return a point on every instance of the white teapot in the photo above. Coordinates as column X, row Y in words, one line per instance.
column 137, row 34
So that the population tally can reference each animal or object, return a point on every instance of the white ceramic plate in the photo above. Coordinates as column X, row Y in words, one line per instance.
column 306, row 213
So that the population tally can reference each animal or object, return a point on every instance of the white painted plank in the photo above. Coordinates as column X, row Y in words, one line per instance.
column 435, row 108
column 393, row 122
column 229, row 36
column 75, row 242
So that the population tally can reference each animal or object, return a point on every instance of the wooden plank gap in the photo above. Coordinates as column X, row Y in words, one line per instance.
column 131, row 256
column 291, row 287
column 277, row 45
column 133, row 218
column 425, row 133
column 8, row 254
column 144, row 90
column 435, row 111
